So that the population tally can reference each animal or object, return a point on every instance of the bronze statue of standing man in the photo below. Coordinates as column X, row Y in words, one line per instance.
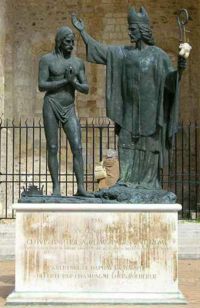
column 142, row 98
column 60, row 75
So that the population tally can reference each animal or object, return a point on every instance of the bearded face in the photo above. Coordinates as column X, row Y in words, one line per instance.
column 67, row 43
column 139, row 32
column 134, row 33
column 64, row 40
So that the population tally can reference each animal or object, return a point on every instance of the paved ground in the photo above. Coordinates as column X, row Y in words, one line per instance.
column 189, row 284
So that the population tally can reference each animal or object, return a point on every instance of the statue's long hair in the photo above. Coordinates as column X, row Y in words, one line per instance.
column 147, row 35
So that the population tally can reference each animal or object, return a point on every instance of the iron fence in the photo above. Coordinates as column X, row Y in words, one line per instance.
column 23, row 161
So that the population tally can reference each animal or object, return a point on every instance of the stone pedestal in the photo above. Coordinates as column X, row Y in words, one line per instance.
column 94, row 253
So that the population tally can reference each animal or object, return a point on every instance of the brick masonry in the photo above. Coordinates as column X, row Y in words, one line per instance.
column 27, row 31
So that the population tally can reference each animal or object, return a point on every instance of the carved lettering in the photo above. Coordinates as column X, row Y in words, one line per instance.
column 96, row 249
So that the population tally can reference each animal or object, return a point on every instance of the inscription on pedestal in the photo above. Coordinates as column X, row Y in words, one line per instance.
column 97, row 252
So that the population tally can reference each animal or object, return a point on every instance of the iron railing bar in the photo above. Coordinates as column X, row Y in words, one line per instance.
column 59, row 152
column 93, row 152
column 193, row 183
column 100, row 143
column 37, row 174
column 182, row 169
column 108, row 136
column 175, row 165
column 115, row 139
column 189, row 167
column 33, row 153
column 46, row 168
column 66, row 164
column 86, row 154
column 37, row 126
column 40, row 155
column 13, row 164
column 6, row 166
column 73, row 178
column 26, row 160
column 20, row 140
column 196, row 169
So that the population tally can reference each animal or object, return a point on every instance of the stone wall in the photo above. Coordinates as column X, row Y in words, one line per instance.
column 30, row 31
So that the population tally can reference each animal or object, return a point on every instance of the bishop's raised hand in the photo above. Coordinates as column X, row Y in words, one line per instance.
column 77, row 23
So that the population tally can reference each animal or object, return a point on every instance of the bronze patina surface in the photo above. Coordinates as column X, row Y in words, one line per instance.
column 142, row 98
column 60, row 75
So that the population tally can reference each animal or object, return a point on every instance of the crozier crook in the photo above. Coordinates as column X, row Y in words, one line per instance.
column 182, row 20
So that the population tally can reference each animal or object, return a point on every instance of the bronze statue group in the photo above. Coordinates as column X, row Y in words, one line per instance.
column 142, row 99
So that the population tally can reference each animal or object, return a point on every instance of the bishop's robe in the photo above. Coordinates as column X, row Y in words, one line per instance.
column 142, row 100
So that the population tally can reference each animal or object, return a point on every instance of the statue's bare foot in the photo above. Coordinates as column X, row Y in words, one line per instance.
column 83, row 193
column 56, row 191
